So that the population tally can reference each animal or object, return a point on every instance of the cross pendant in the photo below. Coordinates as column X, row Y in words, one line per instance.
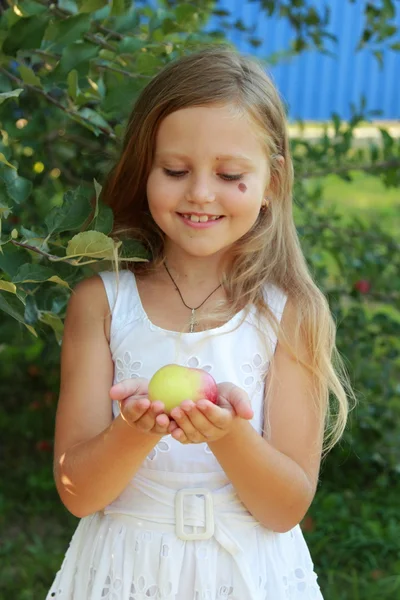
column 192, row 321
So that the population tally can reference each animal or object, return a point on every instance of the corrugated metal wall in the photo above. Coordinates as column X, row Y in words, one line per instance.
column 315, row 85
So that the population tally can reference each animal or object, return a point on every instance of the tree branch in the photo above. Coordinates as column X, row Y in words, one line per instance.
column 73, row 114
column 51, row 257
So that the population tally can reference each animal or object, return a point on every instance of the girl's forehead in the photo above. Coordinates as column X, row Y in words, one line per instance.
column 230, row 132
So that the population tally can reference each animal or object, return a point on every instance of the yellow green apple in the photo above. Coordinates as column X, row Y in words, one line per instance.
column 173, row 384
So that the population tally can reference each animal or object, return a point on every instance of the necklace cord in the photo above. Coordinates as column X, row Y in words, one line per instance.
column 179, row 292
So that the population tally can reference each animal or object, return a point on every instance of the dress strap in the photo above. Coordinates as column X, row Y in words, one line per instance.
column 122, row 296
column 276, row 299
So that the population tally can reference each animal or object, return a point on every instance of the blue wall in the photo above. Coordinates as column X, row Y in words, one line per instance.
column 315, row 85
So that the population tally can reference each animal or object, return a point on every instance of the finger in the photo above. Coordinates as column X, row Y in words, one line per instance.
column 161, row 425
column 179, row 435
column 136, row 386
column 199, row 417
column 172, row 426
column 218, row 417
column 132, row 409
column 147, row 422
column 238, row 399
column 185, row 424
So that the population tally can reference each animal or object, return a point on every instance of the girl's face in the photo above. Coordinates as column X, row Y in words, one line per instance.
column 209, row 177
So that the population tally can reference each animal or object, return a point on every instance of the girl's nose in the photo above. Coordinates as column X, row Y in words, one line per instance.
column 200, row 192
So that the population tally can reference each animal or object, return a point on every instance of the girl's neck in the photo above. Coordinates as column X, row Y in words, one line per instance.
column 195, row 271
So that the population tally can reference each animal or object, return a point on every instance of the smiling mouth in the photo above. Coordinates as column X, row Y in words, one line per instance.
column 200, row 218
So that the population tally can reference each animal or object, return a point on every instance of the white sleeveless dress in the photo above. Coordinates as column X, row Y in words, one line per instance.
column 178, row 531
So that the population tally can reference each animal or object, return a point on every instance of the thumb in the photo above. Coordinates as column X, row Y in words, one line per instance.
column 237, row 398
column 136, row 386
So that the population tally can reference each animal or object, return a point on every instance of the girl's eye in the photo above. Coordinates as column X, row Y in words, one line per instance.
column 223, row 176
column 174, row 173
column 230, row 177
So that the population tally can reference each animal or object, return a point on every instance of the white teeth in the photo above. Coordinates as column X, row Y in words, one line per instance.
column 201, row 219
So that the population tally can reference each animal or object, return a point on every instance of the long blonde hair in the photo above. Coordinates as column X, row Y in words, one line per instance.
column 270, row 252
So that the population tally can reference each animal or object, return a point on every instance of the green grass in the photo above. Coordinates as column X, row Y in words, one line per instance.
column 365, row 196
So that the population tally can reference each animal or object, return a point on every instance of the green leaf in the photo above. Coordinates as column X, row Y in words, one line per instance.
column 28, row 76
column 379, row 57
column 117, row 7
column 130, row 45
column 92, row 243
column 33, row 273
column 31, row 314
column 13, row 307
column 12, row 258
column 5, row 161
column 26, row 34
column 92, row 5
column 5, row 210
column 73, row 213
column 104, row 220
column 71, row 29
column 72, row 80
column 13, row 94
column 95, row 118
column 7, row 286
column 75, row 56
column 128, row 22
column 185, row 12
column 54, row 322
column 132, row 250
column 18, row 188
column 147, row 63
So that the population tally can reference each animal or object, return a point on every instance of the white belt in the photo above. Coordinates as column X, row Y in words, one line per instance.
column 208, row 514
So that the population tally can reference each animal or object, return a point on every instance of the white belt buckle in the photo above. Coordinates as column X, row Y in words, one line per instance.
column 179, row 515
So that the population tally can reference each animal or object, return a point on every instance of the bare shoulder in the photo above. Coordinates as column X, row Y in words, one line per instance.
column 84, row 405
column 89, row 300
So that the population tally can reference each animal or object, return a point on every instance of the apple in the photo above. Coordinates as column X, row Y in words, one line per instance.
column 172, row 384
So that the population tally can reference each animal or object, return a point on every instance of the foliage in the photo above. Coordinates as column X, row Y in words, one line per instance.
column 69, row 73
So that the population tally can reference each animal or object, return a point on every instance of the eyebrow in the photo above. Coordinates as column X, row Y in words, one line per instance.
column 220, row 157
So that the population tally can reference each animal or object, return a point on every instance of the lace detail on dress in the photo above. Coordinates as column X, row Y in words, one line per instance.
column 141, row 591
column 254, row 373
column 112, row 588
column 194, row 363
column 301, row 582
column 162, row 446
column 126, row 367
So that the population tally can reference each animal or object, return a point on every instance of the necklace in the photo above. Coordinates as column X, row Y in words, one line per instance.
column 193, row 322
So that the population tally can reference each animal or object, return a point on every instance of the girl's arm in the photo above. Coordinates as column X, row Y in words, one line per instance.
column 94, row 456
column 276, row 478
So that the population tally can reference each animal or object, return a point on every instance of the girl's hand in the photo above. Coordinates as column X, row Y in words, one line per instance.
column 208, row 422
column 137, row 410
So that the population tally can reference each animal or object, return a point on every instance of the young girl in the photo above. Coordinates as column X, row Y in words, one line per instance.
column 203, row 503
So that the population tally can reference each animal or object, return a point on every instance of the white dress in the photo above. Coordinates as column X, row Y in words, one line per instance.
column 140, row 546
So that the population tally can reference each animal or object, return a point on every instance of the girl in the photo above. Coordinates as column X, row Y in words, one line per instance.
column 203, row 503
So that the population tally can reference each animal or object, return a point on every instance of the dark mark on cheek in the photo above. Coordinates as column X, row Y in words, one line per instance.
column 242, row 187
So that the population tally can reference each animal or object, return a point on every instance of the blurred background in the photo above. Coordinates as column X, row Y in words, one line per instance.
column 69, row 73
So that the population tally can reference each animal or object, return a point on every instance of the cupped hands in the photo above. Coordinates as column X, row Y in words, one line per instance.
column 188, row 423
